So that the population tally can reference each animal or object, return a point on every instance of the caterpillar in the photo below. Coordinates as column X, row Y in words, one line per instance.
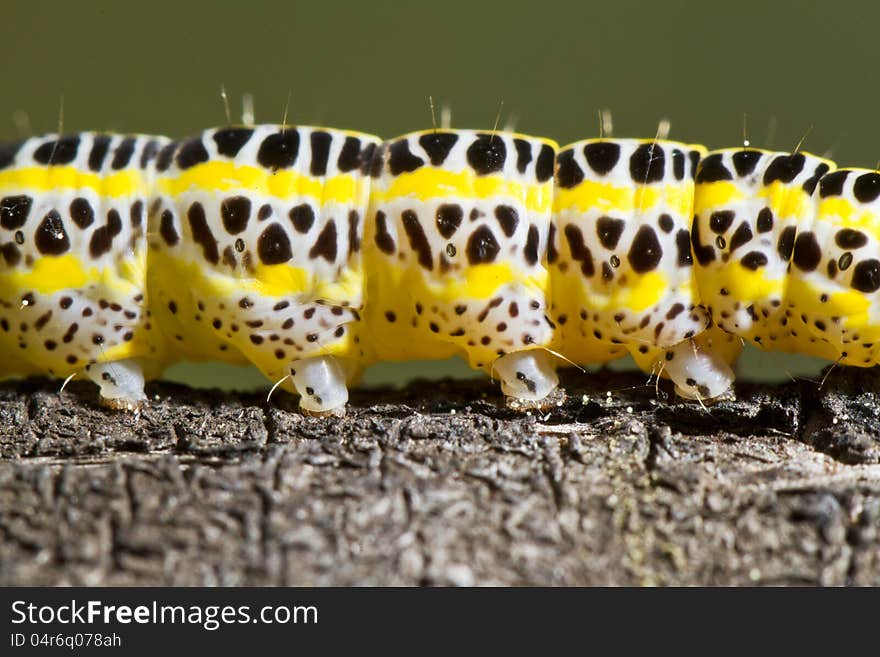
column 312, row 252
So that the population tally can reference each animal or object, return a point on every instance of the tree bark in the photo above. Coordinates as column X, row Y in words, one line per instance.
column 439, row 483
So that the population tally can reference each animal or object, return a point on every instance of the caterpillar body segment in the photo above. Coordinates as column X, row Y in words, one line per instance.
column 833, row 306
column 73, row 293
column 751, row 211
column 621, row 264
column 456, row 243
column 255, row 253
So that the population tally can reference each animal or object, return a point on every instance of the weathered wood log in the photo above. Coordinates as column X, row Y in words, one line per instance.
column 441, row 484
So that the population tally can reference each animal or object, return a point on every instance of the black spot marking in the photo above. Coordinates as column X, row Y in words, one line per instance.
column 745, row 162
column 866, row 276
column 784, row 168
column 279, row 150
column 325, row 246
column 712, row 169
column 100, row 147
column 136, row 213
column 609, row 231
column 487, row 154
column 418, row 241
column 832, row 183
column 367, row 156
column 765, row 220
column 523, row 154
column 122, row 154
column 235, row 212
column 742, row 235
column 810, row 183
column 666, row 223
column 647, row 164
column 401, row 159
column 832, row 268
column 349, row 155
column 694, row 159
column 11, row 254
column 552, row 253
column 320, row 142
column 568, row 173
column 167, row 229
column 57, row 151
column 645, row 253
column 544, row 165
column 383, row 238
column 375, row 162
column 482, row 247
column 448, row 218
column 867, row 187
column 14, row 211
column 678, row 164
column 847, row 238
column 102, row 239
column 602, row 156
column 165, row 157
column 201, row 233
column 807, row 253
column 683, row 247
column 785, row 243
column 721, row 221
column 508, row 219
column 675, row 311
column 151, row 148
column 704, row 254
column 273, row 245
column 191, row 153
column 754, row 260
column 302, row 216
column 354, row 238
column 530, row 252
column 844, row 261
column 580, row 252
column 264, row 212
column 230, row 140
column 114, row 222
column 437, row 145
column 50, row 237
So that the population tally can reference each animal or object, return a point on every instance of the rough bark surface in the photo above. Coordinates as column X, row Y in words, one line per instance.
column 441, row 484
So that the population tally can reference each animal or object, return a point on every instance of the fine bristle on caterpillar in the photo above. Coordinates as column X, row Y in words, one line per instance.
column 312, row 252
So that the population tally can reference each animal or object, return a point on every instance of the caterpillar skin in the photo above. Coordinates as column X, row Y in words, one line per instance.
column 788, row 249
column 73, row 293
column 620, row 259
column 458, row 230
column 255, row 253
column 122, row 254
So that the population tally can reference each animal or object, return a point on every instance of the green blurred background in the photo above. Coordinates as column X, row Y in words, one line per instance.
column 157, row 67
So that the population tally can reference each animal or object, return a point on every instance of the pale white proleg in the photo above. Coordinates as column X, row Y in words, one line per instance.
column 320, row 381
column 697, row 373
column 121, row 382
column 526, row 375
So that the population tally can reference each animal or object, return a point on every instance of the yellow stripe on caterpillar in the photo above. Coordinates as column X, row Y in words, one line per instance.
column 222, row 176
column 129, row 182
column 431, row 183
